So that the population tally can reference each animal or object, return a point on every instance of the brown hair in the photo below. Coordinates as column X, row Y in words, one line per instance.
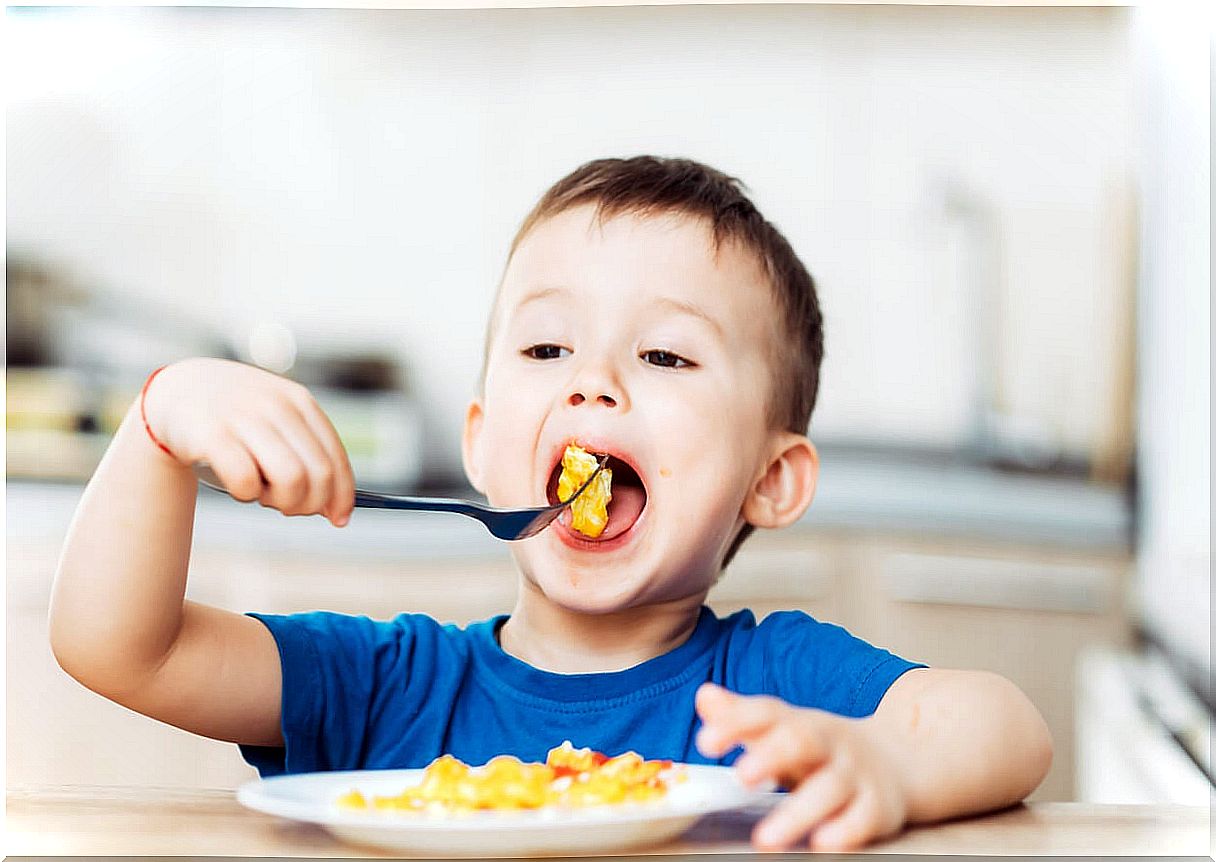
column 649, row 185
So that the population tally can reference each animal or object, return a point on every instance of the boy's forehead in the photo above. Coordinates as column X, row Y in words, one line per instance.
column 646, row 253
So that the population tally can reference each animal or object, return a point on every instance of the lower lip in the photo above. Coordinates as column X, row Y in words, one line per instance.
column 572, row 539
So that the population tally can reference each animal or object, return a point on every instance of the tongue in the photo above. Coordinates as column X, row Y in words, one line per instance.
column 623, row 510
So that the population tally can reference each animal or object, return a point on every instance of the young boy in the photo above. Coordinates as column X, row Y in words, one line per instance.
column 650, row 313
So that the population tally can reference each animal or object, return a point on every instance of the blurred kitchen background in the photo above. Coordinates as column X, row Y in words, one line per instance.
column 1006, row 211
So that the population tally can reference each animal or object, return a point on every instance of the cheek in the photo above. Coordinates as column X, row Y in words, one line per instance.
column 508, row 445
column 706, row 453
column 707, row 497
column 708, row 429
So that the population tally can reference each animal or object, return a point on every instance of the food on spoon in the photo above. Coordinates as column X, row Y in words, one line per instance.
column 570, row 777
column 589, row 513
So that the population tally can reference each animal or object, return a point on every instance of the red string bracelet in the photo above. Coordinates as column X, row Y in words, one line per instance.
column 143, row 414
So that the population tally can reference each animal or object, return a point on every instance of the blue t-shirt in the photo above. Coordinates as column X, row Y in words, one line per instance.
column 364, row 694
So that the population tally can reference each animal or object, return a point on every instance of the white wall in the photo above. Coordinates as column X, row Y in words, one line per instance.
column 1173, row 46
column 358, row 175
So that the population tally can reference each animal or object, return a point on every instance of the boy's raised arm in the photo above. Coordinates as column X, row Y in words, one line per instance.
column 119, row 622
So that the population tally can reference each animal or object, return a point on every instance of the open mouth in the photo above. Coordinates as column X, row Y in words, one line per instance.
column 625, row 507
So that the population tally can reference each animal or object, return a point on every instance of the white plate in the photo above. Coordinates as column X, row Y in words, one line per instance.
column 310, row 797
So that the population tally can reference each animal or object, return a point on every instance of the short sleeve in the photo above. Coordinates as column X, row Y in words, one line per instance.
column 330, row 664
column 821, row 665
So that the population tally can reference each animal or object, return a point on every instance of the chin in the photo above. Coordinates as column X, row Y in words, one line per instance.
column 584, row 593
column 589, row 582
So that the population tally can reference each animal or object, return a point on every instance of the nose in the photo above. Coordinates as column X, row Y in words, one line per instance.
column 577, row 398
column 596, row 384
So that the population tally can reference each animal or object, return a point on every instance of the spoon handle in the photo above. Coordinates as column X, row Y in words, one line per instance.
column 373, row 500
column 363, row 499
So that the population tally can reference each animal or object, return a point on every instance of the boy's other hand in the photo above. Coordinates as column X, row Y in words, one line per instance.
column 263, row 435
column 844, row 789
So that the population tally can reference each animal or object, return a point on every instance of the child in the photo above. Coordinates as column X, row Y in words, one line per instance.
column 650, row 313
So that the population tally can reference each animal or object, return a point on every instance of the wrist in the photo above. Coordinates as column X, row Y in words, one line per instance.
column 148, row 418
column 894, row 758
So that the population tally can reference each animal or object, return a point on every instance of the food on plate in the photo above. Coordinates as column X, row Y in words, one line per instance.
column 589, row 513
column 569, row 778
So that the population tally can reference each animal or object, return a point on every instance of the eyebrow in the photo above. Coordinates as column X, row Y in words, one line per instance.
column 541, row 293
column 678, row 305
column 691, row 309
column 507, row 315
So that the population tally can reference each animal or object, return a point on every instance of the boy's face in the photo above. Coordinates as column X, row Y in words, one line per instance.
column 636, row 341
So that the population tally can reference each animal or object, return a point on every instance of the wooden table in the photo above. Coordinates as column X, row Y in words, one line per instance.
column 82, row 821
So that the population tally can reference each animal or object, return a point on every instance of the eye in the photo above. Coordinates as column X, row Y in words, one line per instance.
column 665, row 359
column 544, row 351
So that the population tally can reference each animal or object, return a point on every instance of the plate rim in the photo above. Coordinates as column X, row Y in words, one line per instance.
column 252, row 794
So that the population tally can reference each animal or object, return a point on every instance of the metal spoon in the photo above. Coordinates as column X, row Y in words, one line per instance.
column 508, row 524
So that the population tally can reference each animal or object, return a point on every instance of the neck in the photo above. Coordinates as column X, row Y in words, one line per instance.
column 558, row 640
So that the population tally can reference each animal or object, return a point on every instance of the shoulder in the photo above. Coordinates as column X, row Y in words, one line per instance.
column 785, row 627
column 788, row 622
column 809, row 662
column 784, row 635
column 337, row 625
column 328, row 633
column 778, row 629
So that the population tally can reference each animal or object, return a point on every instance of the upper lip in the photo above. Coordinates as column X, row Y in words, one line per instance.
column 596, row 445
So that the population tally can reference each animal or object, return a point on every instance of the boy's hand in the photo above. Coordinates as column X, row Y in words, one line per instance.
column 844, row 789
column 264, row 436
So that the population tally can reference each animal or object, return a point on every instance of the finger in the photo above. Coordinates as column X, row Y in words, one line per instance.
column 730, row 719
column 821, row 796
column 722, row 706
column 286, row 477
column 316, row 460
column 343, row 500
column 787, row 753
column 237, row 469
column 856, row 824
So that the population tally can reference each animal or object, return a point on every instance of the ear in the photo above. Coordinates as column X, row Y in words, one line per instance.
column 470, row 443
column 786, row 487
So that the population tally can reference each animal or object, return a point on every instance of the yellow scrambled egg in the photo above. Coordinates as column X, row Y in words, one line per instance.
column 589, row 513
column 570, row 777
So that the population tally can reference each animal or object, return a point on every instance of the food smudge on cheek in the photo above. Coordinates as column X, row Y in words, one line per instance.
column 664, row 472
